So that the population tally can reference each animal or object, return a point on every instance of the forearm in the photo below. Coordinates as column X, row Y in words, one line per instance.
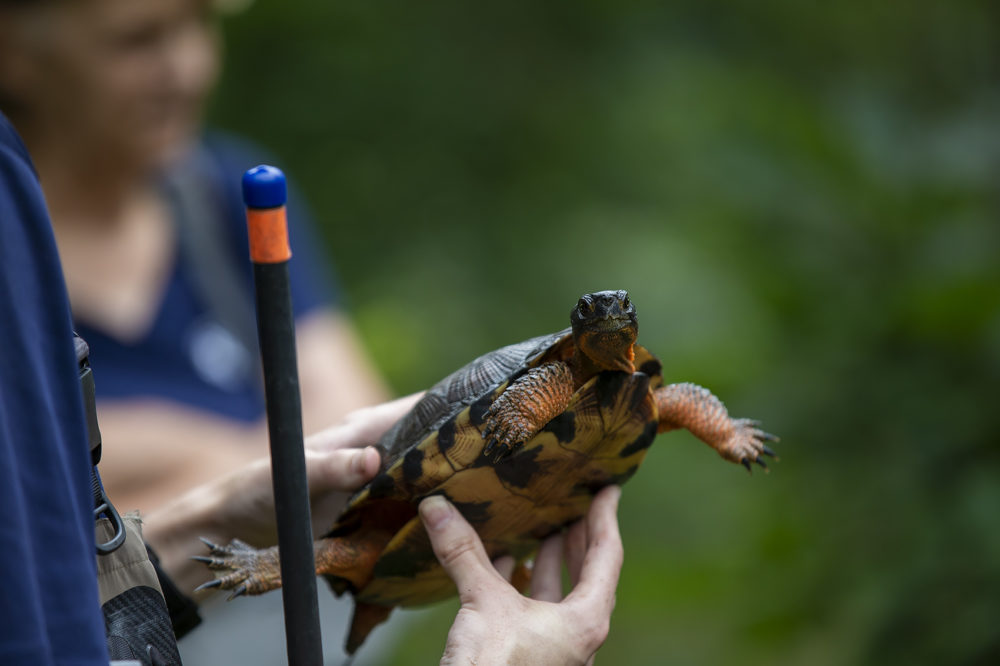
column 173, row 529
column 155, row 451
column 241, row 505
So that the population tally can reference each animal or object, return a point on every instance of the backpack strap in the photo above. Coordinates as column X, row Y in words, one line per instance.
column 195, row 187
column 102, row 505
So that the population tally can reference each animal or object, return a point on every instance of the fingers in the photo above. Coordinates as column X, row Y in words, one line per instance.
column 368, row 424
column 341, row 469
column 362, row 427
column 457, row 547
column 575, row 548
column 546, row 576
column 603, row 559
column 504, row 566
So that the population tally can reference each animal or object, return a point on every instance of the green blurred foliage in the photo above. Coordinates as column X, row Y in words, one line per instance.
column 802, row 199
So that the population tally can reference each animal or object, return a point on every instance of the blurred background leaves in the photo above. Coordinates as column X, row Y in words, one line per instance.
column 802, row 199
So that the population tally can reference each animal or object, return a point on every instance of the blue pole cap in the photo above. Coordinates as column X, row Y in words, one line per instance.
column 264, row 187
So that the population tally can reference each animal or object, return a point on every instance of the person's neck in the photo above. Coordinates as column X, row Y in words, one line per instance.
column 90, row 192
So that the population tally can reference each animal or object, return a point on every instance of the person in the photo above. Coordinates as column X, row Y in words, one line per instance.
column 148, row 217
column 50, row 608
column 147, row 213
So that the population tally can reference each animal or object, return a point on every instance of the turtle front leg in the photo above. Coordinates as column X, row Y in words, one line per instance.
column 695, row 408
column 537, row 397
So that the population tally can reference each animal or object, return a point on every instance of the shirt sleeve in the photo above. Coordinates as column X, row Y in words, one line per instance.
column 47, row 556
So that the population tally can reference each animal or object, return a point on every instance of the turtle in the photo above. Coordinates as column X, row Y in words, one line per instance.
column 519, row 440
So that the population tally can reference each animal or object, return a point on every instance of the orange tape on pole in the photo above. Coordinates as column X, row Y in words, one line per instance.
column 268, row 235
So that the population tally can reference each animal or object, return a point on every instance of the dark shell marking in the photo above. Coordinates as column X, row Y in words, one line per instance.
column 601, row 438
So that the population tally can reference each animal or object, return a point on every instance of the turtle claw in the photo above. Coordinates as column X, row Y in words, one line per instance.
column 502, row 439
column 502, row 451
column 210, row 584
column 745, row 444
column 504, row 433
column 495, row 450
column 243, row 569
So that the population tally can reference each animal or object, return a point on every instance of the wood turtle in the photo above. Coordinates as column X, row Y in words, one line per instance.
column 519, row 440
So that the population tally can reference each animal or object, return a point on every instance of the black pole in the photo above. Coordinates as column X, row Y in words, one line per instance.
column 264, row 193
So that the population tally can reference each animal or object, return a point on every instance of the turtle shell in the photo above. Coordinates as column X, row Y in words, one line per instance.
column 601, row 438
column 467, row 385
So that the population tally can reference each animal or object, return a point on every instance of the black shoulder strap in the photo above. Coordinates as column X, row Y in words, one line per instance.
column 89, row 396
column 195, row 188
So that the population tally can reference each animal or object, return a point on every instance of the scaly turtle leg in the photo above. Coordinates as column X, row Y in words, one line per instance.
column 538, row 396
column 696, row 409
column 246, row 570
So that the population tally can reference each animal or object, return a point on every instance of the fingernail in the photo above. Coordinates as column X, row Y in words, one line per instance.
column 358, row 462
column 435, row 511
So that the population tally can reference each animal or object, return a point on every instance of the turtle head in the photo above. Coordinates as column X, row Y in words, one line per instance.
column 605, row 328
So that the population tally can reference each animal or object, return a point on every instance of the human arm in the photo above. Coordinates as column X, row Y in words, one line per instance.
column 240, row 505
column 155, row 450
column 496, row 624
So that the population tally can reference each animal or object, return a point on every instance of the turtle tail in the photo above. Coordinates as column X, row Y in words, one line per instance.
column 366, row 618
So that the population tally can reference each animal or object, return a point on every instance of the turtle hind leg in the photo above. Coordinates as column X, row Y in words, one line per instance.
column 347, row 562
column 245, row 570
column 366, row 618
column 241, row 568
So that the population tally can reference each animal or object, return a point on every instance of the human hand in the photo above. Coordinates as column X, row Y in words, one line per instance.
column 498, row 625
column 240, row 505
column 339, row 460
column 336, row 466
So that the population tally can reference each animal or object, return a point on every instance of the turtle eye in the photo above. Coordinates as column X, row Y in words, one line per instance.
column 623, row 300
column 585, row 306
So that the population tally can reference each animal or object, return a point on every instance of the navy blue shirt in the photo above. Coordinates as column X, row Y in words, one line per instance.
column 49, row 606
column 188, row 355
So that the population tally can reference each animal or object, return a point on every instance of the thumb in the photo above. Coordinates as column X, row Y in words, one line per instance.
column 457, row 546
column 340, row 470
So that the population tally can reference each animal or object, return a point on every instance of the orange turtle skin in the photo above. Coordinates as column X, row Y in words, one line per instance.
column 519, row 440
